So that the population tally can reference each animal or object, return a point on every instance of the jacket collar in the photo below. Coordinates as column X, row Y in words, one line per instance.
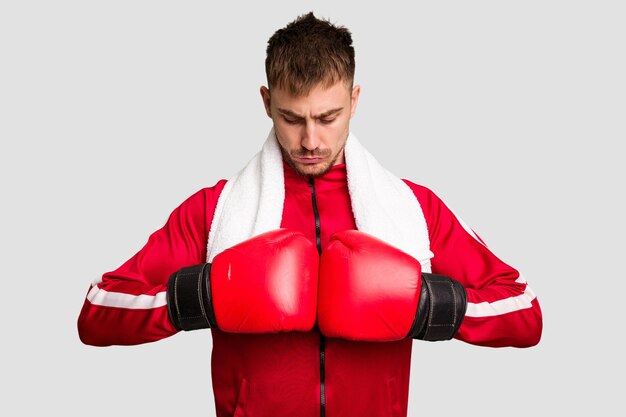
column 333, row 179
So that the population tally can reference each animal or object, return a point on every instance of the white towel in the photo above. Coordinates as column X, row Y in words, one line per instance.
column 383, row 205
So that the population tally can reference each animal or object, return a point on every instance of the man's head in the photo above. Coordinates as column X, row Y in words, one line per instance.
column 310, row 95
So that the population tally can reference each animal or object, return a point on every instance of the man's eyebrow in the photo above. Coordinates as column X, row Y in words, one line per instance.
column 327, row 113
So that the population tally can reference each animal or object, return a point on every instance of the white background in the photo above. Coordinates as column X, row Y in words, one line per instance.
column 112, row 113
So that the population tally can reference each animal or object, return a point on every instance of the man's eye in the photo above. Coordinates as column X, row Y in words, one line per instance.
column 291, row 121
column 327, row 121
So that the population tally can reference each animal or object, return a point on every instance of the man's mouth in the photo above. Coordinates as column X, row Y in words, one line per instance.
column 309, row 160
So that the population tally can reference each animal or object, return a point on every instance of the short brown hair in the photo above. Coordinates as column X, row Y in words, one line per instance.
column 309, row 51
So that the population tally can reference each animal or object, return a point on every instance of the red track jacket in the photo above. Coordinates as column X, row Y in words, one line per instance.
column 305, row 374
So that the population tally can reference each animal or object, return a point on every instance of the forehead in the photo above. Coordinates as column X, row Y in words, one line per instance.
column 319, row 99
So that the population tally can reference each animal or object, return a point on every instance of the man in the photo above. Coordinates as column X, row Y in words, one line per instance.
column 314, row 267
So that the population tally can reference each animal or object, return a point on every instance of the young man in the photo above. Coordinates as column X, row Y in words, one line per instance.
column 314, row 267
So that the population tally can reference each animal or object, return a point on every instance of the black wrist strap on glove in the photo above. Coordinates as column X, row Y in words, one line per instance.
column 441, row 308
column 189, row 301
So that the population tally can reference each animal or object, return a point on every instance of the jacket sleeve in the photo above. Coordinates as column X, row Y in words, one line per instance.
column 128, row 306
column 502, row 310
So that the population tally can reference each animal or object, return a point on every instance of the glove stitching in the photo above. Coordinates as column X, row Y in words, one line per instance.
column 200, row 295
column 430, row 311
column 176, row 300
column 454, row 301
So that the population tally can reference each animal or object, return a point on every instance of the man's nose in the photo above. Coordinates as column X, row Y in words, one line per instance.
column 310, row 139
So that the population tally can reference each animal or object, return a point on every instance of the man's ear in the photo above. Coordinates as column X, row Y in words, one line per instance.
column 265, row 95
column 354, row 99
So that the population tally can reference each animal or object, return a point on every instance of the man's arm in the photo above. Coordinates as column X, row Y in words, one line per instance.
column 502, row 309
column 128, row 306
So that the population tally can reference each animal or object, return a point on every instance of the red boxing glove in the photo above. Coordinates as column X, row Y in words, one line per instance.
column 369, row 290
column 265, row 284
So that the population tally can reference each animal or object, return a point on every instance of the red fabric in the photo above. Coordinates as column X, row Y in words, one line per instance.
column 485, row 277
column 279, row 374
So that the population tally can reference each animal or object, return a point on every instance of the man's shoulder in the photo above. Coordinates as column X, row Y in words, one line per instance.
column 204, row 197
column 422, row 193
column 432, row 205
column 213, row 190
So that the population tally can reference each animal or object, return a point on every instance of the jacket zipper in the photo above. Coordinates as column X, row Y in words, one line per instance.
column 318, row 240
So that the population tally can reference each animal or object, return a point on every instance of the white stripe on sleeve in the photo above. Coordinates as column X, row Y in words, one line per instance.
column 507, row 305
column 105, row 298
column 496, row 308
